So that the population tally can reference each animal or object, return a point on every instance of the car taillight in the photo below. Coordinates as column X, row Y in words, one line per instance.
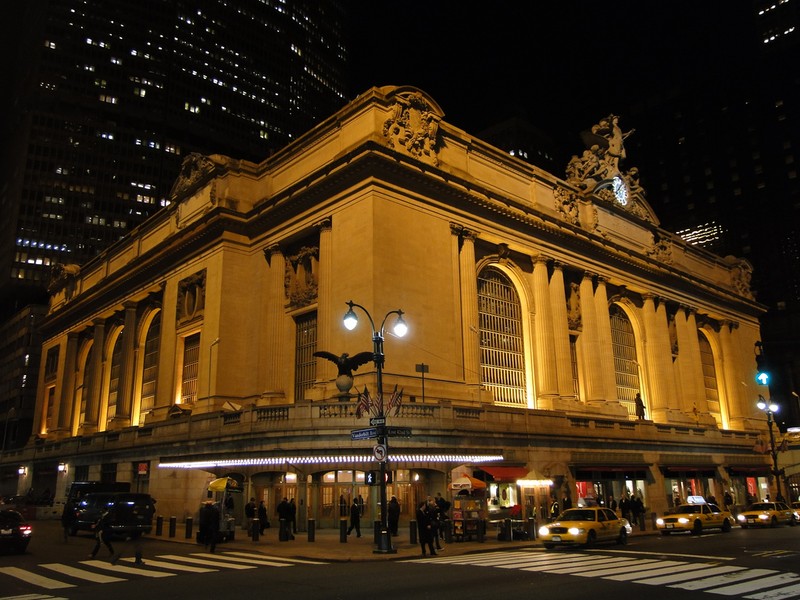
column 25, row 530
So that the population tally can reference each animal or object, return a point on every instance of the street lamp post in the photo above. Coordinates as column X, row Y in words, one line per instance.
column 770, row 408
column 400, row 329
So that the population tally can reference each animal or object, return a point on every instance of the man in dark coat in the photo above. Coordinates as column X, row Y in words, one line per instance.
column 209, row 525
column 393, row 515
column 355, row 518
column 425, row 528
column 102, row 534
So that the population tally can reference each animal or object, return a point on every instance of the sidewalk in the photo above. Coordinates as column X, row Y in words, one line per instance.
column 326, row 545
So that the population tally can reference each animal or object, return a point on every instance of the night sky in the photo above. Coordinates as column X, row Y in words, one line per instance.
column 562, row 64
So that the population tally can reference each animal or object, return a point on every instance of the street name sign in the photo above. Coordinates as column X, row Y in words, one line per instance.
column 364, row 434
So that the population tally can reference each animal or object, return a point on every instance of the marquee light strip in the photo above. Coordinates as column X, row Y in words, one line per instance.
column 283, row 460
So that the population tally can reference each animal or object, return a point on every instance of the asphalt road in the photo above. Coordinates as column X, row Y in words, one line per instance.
column 753, row 564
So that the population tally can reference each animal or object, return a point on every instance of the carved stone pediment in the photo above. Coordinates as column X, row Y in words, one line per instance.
column 196, row 171
column 191, row 298
column 301, row 279
column 63, row 277
column 413, row 127
column 741, row 275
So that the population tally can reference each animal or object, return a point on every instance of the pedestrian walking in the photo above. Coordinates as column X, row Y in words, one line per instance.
column 293, row 515
column 67, row 519
column 263, row 519
column 250, row 515
column 639, row 406
column 209, row 525
column 393, row 515
column 284, row 510
column 435, row 518
column 355, row 519
column 102, row 535
column 425, row 528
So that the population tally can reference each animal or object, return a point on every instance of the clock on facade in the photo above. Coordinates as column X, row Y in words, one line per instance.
column 620, row 190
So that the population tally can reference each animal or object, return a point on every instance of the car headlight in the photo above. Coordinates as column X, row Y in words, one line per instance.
column 683, row 520
column 659, row 521
column 544, row 531
column 576, row 530
column 763, row 517
column 741, row 518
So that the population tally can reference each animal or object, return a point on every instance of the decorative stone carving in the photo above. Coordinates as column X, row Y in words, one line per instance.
column 413, row 127
column 191, row 298
column 566, row 204
column 301, row 281
column 574, row 306
column 63, row 277
column 660, row 249
column 196, row 170
column 741, row 275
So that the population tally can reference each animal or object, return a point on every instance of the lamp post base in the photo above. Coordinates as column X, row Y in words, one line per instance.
column 384, row 543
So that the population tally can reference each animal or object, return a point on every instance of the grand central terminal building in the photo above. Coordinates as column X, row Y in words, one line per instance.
column 538, row 307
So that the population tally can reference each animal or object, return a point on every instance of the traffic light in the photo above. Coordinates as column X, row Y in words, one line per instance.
column 762, row 370
column 371, row 477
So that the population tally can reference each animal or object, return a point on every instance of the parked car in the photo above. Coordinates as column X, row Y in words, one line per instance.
column 131, row 513
column 585, row 527
column 15, row 531
column 695, row 518
column 767, row 514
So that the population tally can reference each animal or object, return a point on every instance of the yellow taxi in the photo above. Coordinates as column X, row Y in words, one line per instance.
column 695, row 516
column 767, row 514
column 585, row 527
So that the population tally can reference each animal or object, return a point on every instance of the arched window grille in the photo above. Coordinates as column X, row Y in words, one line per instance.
column 626, row 365
column 191, row 363
column 113, row 381
column 86, row 385
column 710, row 378
column 501, row 340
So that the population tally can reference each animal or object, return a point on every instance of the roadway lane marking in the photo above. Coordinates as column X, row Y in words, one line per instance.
column 719, row 580
column 691, row 575
column 32, row 578
column 198, row 561
column 249, row 561
column 160, row 564
column 81, row 574
column 34, row 597
column 752, row 586
column 126, row 570
column 268, row 557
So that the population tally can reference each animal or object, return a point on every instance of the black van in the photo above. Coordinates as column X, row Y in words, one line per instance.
column 131, row 513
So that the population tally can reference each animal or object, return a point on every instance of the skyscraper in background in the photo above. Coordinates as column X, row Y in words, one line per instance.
column 104, row 100
column 109, row 97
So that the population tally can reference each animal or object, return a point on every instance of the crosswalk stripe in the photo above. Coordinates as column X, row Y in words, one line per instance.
column 80, row 573
column 628, row 567
column 33, row 578
column 236, row 559
column 126, row 570
column 709, row 582
column 199, row 561
column 160, row 564
column 33, row 597
column 289, row 560
column 752, row 586
column 557, row 568
column 676, row 577
column 659, row 571
column 791, row 591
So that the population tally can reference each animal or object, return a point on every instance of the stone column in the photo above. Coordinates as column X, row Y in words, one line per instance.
column 656, row 396
column 665, row 369
column 590, row 341
column 470, row 325
column 561, row 345
column 122, row 418
column 690, row 364
column 326, row 370
column 275, row 295
column 67, row 403
column 606, row 346
column 90, row 424
column 544, row 349
column 734, row 389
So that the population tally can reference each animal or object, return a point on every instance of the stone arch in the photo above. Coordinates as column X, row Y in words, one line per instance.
column 712, row 338
column 629, row 309
column 140, row 377
column 82, row 390
column 106, row 411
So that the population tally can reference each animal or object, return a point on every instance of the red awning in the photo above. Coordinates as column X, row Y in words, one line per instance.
column 506, row 473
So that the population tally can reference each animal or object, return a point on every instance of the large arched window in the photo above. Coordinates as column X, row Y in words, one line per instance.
column 502, row 344
column 709, row 378
column 150, row 364
column 626, row 365
column 85, row 389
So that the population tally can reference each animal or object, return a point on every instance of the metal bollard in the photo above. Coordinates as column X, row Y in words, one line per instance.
column 508, row 531
column 189, row 523
column 531, row 528
column 448, row 532
column 412, row 532
column 160, row 525
column 173, row 524
column 312, row 530
column 481, row 530
column 343, row 531
column 283, row 530
column 256, row 525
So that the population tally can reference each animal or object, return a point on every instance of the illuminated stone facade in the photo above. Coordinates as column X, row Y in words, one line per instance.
column 537, row 308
